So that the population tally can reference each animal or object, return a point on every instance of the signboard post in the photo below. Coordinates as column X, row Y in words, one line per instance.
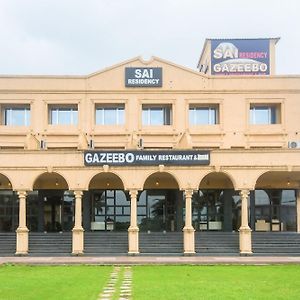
column 240, row 57
column 143, row 77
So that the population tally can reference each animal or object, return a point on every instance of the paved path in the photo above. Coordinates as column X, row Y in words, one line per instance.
column 110, row 289
column 162, row 260
column 119, row 285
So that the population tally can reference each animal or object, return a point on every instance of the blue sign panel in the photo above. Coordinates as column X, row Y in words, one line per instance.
column 143, row 77
column 240, row 57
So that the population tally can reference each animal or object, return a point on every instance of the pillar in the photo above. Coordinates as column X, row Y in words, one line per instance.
column 22, row 230
column 245, row 231
column 298, row 210
column 77, row 232
column 133, row 230
column 188, row 230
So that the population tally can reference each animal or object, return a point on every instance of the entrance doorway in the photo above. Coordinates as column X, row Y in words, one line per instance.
column 273, row 210
column 50, row 211
column 53, row 214
column 58, row 211
column 216, row 210
column 109, row 210
column 160, row 210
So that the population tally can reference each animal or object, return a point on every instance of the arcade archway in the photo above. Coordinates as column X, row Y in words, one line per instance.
column 9, row 206
column 273, row 203
column 216, row 206
column 50, row 206
column 160, row 205
column 106, row 205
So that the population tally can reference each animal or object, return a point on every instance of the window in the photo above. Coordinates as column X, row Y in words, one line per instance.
column 110, row 115
column 263, row 114
column 157, row 115
column 63, row 115
column 16, row 115
column 204, row 115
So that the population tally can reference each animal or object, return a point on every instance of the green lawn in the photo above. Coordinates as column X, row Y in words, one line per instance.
column 216, row 282
column 152, row 282
column 52, row 282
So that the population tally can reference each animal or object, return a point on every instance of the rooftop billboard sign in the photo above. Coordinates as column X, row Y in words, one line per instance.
column 240, row 57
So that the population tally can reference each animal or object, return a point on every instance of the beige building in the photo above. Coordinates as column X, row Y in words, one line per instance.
column 148, row 150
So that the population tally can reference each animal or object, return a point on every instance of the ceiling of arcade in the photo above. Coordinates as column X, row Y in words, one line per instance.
column 51, row 181
column 283, row 180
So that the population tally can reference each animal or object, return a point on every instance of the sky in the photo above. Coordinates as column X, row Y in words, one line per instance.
column 79, row 37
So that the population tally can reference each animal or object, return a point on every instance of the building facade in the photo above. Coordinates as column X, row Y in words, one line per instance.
column 147, row 146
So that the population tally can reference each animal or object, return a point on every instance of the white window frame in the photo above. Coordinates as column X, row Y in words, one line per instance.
column 57, row 108
column 166, row 108
column 8, row 110
column 272, row 109
column 118, row 108
column 210, row 108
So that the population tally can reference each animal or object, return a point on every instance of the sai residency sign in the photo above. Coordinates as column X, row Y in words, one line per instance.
column 146, row 158
column 240, row 57
column 143, row 77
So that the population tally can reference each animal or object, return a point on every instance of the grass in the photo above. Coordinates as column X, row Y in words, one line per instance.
column 216, row 282
column 52, row 282
column 152, row 282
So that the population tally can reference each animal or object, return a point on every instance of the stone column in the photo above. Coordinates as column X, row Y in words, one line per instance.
column 188, row 230
column 77, row 241
column 245, row 231
column 22, row 230
column 298, row 210
column 133, row 230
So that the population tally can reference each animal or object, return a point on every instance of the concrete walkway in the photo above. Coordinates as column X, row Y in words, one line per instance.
column 159, row 260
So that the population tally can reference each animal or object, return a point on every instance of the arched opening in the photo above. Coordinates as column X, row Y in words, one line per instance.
column 273, row 203
column 216, row 206
column 9, row 206
column 50, row 206
column 106, row 205
column 160, row 205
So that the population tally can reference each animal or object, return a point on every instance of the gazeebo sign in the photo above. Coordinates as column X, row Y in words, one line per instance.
column 148, row 158
column 240, row 57
column 143, row 77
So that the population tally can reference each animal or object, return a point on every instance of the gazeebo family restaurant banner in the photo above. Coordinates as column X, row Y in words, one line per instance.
column 240, row 57
column 150, row 158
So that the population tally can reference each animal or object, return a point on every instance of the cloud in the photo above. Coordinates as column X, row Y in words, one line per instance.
column 80, row 37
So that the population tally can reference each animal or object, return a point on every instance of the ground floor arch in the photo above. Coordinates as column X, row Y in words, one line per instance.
column 160, row 204
column 106, row 205
column 50, row 205
column 216, row 205
column 9, row 206
column 273, row 203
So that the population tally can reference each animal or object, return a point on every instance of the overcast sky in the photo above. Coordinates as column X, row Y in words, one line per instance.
column 84, row 36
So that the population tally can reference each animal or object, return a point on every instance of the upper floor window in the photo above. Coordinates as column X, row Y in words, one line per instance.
column 157, row 115
column 110, row 115
column 204, row 115
column 63, row 115
column 264, row 114
column 16, row 115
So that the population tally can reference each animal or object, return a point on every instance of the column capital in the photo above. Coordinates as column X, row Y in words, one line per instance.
column 133, row 192
column 244, row 193
column 78, row 193
column 22, row 194
column 189, row 192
